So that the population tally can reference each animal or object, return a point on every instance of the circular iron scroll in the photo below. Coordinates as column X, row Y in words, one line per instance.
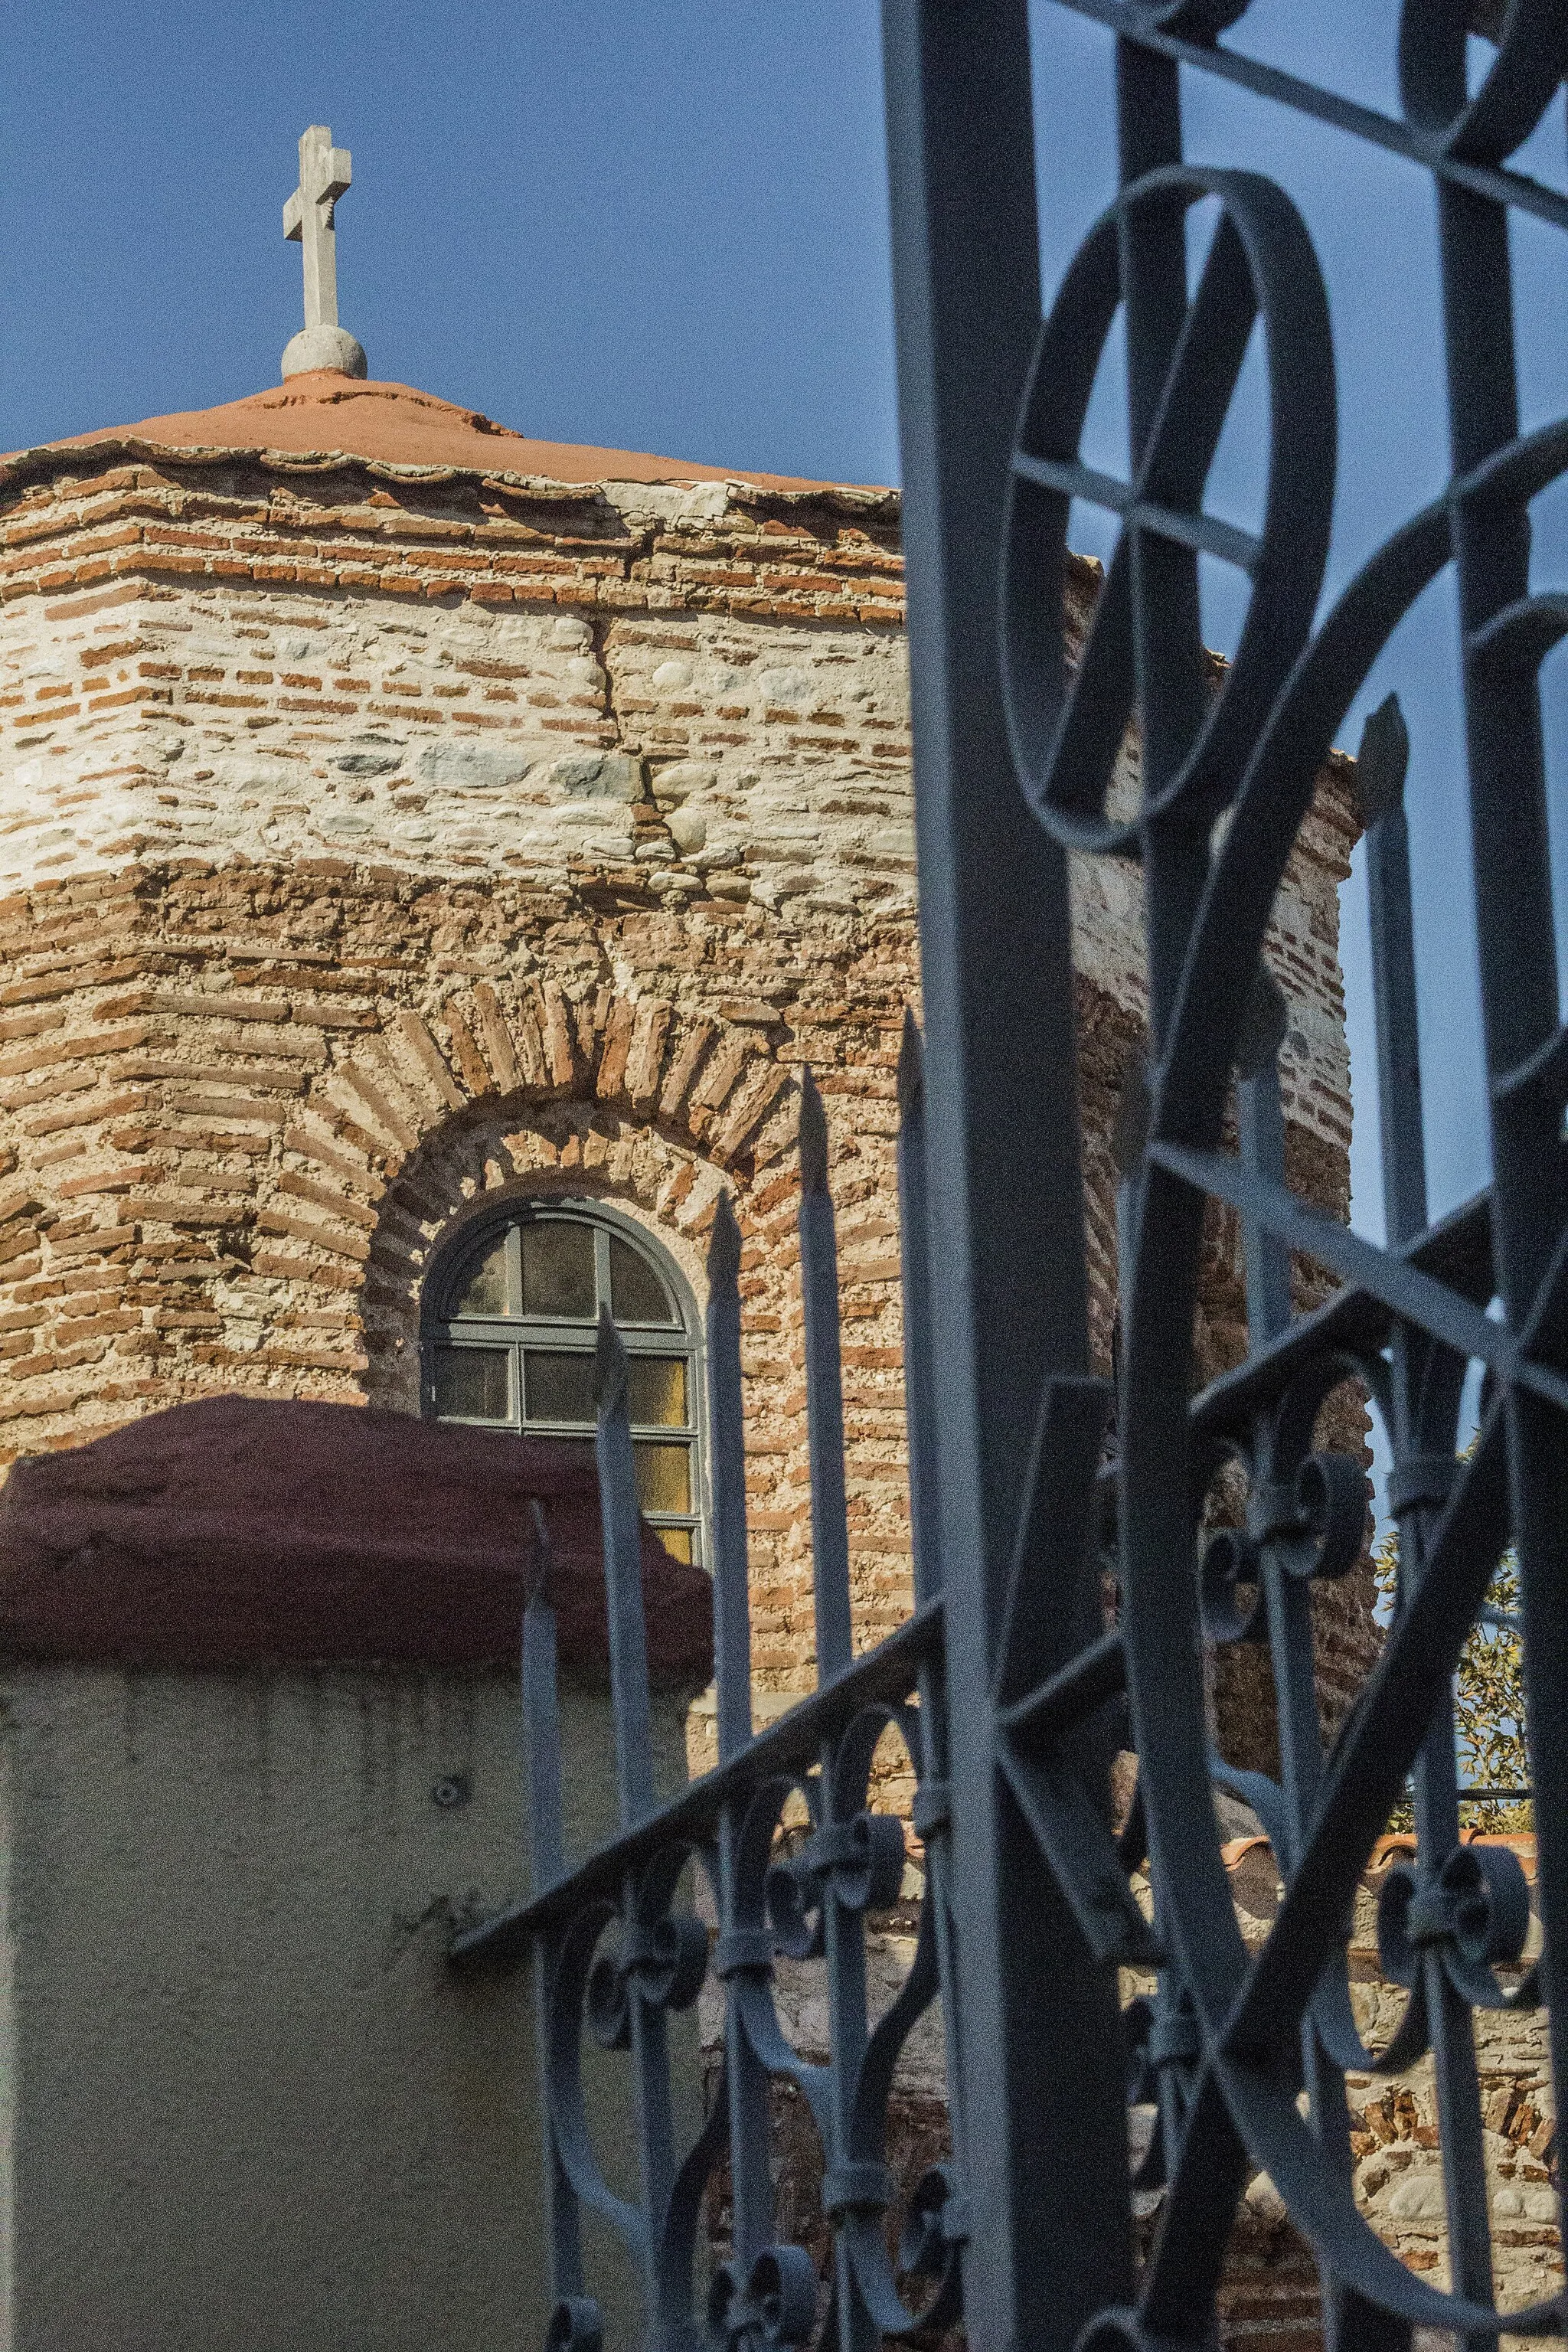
column 645, row 1952
column 1067, row 725
column 1533, row 51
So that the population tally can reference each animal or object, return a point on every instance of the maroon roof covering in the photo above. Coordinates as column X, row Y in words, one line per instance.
column 243, row 1530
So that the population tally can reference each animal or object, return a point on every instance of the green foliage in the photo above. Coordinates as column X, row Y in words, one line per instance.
column 1488, row 1702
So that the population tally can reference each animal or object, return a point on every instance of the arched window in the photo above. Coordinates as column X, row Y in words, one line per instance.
column 510, row 1318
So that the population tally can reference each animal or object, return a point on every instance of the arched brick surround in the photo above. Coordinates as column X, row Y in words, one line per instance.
column 510, row 1149
column 239, row 1110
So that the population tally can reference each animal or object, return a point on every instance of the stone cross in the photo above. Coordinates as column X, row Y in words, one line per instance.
column 325, row 171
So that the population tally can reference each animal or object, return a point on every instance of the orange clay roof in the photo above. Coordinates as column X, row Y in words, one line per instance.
column 325, row 412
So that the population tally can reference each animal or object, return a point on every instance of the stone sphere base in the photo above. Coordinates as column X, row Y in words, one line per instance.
column 323, row 347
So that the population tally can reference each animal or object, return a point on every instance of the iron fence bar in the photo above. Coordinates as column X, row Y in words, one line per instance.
column 727, row 1457
column 1381, row 766
column 642, row 2021
column 1350, row 2323
column 787, row 1744
column 1380, row 1742
column 1398, row 1282
column 1200, row 532
column 914, row 1263
column 1167, row 672
column 1039, row 2034
column 1425, row 1390
column 1353, row 1321
column 1517, row 954
column 547, row 1859
column 1097, row 1673
column 623, row 1580
column 1327, row 106
column 824, row 1392
column 745, row 2088
column 542, row 1715
column 841, row 1930
column 933, row 1818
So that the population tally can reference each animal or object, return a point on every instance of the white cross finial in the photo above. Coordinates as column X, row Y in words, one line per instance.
column 325, row 171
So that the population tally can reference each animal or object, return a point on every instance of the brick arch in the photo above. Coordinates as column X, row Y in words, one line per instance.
column 468, row 1164
column 711, row 1085
column 506, row 1081
column 714, row 1084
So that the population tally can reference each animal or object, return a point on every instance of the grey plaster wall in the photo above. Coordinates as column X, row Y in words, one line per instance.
column 242, row 2102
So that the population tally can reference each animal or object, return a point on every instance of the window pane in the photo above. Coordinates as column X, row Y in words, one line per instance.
column 558, row 1270
column 559, row 1386
column 677, row 1541
column 637, row 1294
column 473, row 1383
column 664, row 1477
column 484, row 1286
column 656, row 1390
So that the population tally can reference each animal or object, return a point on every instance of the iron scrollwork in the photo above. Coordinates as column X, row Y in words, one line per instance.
column 623, row 1948
column 1266, row 2037
column 1017, row 1689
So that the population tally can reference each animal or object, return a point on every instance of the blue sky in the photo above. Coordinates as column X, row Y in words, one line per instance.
column 656, row 224
column 661, row 225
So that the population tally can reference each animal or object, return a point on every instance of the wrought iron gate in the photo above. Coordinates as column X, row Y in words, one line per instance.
column 1009, row 1684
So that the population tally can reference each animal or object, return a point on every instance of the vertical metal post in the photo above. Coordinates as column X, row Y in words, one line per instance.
column 727, row 1454
column 1517, row 952
column 914, row 1249
column 623, row 1580
column 1039, row 2025
column 632, row 1706
column 824, row 1392
column 547, row 1859
column 745, row 2077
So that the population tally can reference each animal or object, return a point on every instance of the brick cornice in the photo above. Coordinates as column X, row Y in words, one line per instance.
column 146, row 516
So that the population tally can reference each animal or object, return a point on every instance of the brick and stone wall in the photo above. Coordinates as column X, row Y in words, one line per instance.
column 379, row 837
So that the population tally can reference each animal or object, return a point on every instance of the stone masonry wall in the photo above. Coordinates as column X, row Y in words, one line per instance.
column 380, row 838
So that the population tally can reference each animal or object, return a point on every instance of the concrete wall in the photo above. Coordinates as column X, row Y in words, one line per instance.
column 245, row 2101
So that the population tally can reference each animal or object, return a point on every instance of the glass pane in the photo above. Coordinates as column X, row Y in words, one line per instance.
column 559, row 1386
column 473, row 1383
column 484, row 1287
column 677, row 1541
column 558, row 1270
column 656, row 1390
column 664, row 1477
column 637, row 1294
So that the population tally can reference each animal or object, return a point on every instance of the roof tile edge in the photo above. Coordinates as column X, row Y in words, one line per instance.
column 54, row 460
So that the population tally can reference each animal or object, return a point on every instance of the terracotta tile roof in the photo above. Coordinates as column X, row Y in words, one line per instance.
column 325, row 413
